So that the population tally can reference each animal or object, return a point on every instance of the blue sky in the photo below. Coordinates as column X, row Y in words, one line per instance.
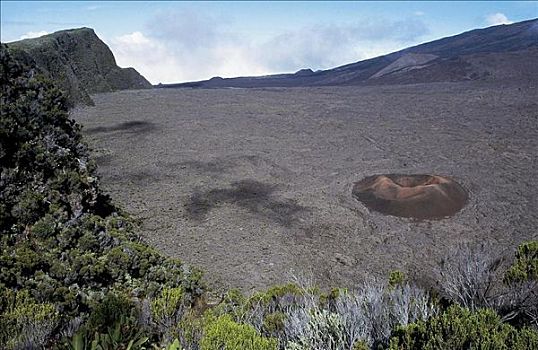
column 185, row 41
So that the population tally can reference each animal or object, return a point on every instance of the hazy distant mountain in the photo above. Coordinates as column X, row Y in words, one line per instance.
column 79, row 62
column 494, row 53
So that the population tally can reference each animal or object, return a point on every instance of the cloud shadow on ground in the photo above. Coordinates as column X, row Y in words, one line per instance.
column 257, row 197
column 136, row 127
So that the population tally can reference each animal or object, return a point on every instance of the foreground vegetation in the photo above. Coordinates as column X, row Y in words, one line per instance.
column 74, row 275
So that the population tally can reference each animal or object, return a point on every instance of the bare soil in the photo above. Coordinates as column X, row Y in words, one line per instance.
column 250, row 184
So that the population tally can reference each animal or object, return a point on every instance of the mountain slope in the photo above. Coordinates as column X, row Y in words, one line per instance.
column 79, row 62
column 481, row 54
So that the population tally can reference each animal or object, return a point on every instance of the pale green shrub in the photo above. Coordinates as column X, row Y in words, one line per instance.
column 223, row 333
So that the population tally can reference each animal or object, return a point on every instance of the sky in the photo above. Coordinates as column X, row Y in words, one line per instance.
column 170, row 42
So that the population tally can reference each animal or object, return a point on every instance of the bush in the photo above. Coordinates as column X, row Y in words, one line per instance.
column 167, row 311
column 273, row 323
column 61, row 239
column 370, row 313
column 470, row 275
column 223, row 333
column 475, row 277
column 323, row 330
column 525, row 266
column 24, row 322
column 396, row 278
column 460, row 328
column 522, row 281
column 303, row 318
column 114, row 308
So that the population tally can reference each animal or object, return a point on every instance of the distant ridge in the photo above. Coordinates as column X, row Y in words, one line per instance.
column 79, row 62
column 503, row 52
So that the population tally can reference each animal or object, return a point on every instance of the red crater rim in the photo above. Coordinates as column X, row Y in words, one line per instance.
column 421, row 197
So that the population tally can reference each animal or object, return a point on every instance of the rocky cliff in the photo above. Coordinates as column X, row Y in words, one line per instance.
column 79, row 62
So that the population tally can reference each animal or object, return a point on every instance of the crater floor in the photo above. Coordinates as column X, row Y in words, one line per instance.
column 252, row 185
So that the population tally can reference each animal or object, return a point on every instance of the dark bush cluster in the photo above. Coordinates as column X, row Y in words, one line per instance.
column 63, row 244
column 460, row 328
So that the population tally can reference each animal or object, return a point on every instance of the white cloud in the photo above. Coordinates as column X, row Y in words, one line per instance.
column 177, row 47
column 33, row 35
column 327, row 46
column 151, row 58
column 497, row 18
column 419, row 13
column 163, row 62
column 135, row 38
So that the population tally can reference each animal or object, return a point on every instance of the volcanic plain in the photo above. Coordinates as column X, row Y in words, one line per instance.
column 255, row 185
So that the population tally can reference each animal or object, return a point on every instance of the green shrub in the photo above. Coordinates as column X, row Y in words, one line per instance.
column 234, row 297
column 275, row 292
column 191, row 327
column 396, row 278
column 263, row 304
column 61, row 238
column 273, row 323
column 173, row 346
column 167, row 304
column 223, row 333
column 361, row 345
column 24, row 321
column 525, row 266
column 459, row 328
column 167, row 311
column 115, row 307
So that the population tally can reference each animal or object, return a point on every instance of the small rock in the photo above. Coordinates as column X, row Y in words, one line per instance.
column 344, row 259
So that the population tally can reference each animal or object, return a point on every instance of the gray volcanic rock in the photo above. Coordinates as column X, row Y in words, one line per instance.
column 304, row 72
column 261, row 180
column 407, row 62
column 79, row 62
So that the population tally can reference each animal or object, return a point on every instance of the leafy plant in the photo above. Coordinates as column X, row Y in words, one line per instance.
column 175, row 345
column 113, row 339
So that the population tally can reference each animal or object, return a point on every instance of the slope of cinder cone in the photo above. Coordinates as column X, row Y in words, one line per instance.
column 413, row 196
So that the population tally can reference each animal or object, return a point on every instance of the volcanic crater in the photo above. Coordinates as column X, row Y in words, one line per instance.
column 414, row 196
column 251, row 185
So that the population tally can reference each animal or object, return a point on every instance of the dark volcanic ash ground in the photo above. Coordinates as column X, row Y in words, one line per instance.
column 251, row 184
